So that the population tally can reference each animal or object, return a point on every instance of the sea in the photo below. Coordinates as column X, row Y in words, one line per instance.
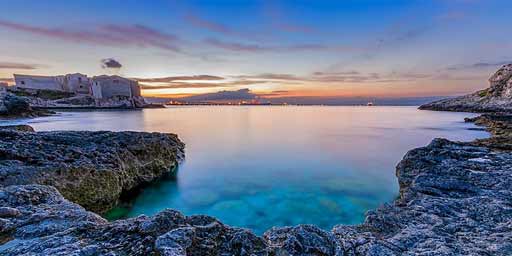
column 258, row 167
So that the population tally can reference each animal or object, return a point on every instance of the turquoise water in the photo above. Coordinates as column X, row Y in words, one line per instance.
column 261, row 166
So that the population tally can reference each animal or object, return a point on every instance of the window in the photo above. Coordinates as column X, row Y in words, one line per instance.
column 22, row 82
column 115, row 81
column 80, row 80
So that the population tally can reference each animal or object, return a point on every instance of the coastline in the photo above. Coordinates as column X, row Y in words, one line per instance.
column 454, row 197
column 444, row 188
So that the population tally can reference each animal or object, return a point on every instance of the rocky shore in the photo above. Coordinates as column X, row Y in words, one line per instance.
column 92, row 169
column 12, row 106
column 455, row 199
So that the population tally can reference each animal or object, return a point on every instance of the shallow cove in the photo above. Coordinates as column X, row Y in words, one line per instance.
column 262, row 166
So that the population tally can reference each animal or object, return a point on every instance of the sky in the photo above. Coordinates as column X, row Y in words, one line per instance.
column 280, row 50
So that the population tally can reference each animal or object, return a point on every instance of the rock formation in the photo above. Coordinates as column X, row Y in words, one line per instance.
column 14, row 106
column 496, row 98
column 92, row 169
column 455, row 199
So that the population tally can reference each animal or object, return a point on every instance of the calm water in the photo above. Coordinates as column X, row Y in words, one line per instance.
column 258, row 167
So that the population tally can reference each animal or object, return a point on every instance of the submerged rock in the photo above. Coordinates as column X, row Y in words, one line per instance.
column 48, row 224
column 496, row 98
column 455, row 199
column 92, row 169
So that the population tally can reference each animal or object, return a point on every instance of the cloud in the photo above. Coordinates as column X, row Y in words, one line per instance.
column 238, row 47
column 179, row 78
column 354, row 77
column 207, row 24
column 242, row 94
column 108, row 35
column 6, row 80
column 13, row 65
column 337, row 73
column 177, row 85
column 272, row 76
column 477, row 65
column 110, row 63
column 243, row 47
column 319, row 77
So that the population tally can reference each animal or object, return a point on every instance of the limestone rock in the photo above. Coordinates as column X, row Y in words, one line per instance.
column 496, row 98
column 48, row 224
column 14, row 106
column 455, row 199
column 92, row 169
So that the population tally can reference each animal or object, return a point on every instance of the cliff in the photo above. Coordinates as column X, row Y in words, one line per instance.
column 455, row 199
column 92, row 169
column 496, row 98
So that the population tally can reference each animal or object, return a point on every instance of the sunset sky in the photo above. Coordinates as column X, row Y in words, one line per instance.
column 274, row 49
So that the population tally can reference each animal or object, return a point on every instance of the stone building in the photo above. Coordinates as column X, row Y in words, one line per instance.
column 77, row 83
column 110, row 86
column 39, row 82
column 99, row 87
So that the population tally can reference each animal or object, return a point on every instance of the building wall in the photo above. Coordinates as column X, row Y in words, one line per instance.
column 135, row 89
column 38, row 82
column 77, row 83
column 115, row 86
column 96, row 90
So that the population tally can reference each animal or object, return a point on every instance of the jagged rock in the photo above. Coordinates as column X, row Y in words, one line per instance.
column 455, row 199
column 92, row 169
column 48, row 224
column 496, row 98
column 300, row 240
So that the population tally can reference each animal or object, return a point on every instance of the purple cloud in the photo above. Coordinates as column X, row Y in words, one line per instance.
column 207, row 24
column 242, row 94
column 13, row 65
column 179, row 78
column 108, row 35
column 238, row 47
column 242, row 47
column 6, row 80
column 176, row 85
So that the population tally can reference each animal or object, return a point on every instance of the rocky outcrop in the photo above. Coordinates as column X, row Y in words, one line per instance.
column 496, row 98
column 51, row 99
column 88, row 102
column 37, row 220
column 15, row 106
column 455, row 199
column 93, row 169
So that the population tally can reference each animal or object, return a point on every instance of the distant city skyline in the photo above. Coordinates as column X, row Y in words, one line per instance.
column 307, row 51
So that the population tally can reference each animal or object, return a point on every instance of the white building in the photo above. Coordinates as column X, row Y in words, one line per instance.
column 77, row 83
column 40, row 82
column 111, row 86
column 99, row 87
